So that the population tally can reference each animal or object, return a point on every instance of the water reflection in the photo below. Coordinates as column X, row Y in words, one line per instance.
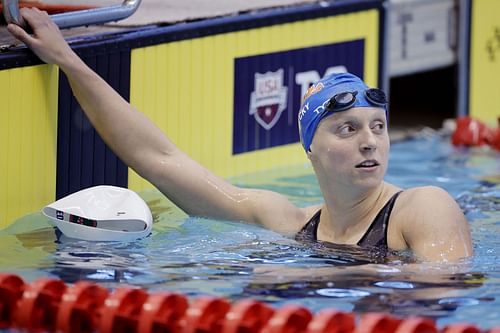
column 236, row 261
column 398, row 287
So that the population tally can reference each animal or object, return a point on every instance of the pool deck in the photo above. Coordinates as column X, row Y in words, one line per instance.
column 172, row 11
column 161, row 12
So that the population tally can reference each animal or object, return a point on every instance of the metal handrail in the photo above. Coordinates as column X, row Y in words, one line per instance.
column 76, row 18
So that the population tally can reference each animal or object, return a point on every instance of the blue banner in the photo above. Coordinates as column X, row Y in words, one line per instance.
column 268, row 89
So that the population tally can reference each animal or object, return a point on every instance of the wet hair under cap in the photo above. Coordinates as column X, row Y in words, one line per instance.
column 318, row 96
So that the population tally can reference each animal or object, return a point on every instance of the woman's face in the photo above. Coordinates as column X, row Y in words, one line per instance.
column 351, row 148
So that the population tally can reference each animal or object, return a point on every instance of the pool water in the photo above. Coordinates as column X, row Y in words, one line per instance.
column 195, row 256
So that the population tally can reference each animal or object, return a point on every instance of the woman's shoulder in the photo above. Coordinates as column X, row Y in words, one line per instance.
column 417, row 206
column 428, row 195
column 430, row 222
column 425, row 204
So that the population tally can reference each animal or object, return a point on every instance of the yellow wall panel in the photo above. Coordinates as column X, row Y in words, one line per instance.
column 28, row 127
column 206, row 102
column 220, row 117
column 484, row 95
column 194, row 83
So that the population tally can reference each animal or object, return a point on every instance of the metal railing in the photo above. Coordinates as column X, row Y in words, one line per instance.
column 76, row 18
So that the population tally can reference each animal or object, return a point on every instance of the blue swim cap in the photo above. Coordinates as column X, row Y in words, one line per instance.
column 318, row 96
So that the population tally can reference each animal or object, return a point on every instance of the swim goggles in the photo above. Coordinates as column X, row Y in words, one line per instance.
column 345, row 100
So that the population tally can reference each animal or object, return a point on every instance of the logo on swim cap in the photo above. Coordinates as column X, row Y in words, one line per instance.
column 312, row 90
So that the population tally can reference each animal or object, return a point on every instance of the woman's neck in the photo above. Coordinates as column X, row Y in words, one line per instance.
column 345, row 218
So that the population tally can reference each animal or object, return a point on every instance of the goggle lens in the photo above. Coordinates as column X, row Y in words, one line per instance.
column 376, row 96
column 342, row 101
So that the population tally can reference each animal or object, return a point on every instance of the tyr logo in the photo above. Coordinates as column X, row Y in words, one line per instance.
column 268, row 100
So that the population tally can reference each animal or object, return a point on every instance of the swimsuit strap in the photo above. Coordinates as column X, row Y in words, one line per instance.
column 309, row 231
column 376, row 235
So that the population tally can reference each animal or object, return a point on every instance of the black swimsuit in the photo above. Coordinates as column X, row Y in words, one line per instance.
column 375, row 236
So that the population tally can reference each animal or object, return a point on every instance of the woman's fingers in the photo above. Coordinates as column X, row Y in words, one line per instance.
column 37, row 19
column 46, row 41
column 19, row 33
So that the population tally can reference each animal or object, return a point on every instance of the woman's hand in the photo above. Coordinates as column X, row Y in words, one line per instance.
column 47, row 41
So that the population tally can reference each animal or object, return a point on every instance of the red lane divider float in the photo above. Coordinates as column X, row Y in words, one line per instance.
column 417, row 325
column 288, row 319
column 11, row 291
column 461, row 328
column 37, row 309
column 163, row 312
column 332, row 321
column 247, row 316
column 205, row 315
column 77, row 309
column 472, row 132
column 377, row 323
column 122, row 310
column 48, row 305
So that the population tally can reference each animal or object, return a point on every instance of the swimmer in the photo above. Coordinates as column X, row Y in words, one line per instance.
column 343, row 129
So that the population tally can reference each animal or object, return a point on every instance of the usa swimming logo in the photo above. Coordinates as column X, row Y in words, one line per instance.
column 268, row 100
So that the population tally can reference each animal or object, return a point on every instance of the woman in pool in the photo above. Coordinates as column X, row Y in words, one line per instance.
column 344, row 132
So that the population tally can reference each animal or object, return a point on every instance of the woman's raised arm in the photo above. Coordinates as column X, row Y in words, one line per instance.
column 146, row 149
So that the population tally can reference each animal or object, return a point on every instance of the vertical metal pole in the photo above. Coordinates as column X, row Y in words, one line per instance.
column 464, row 32
column 386, row 46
